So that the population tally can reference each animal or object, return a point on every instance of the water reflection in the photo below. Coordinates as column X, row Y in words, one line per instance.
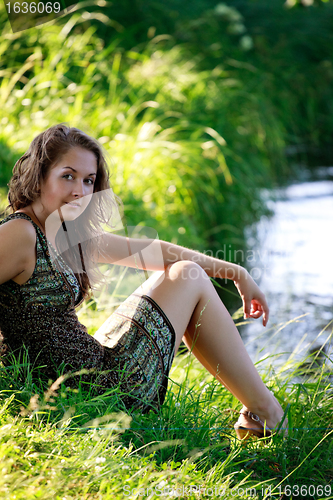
column 294, row 255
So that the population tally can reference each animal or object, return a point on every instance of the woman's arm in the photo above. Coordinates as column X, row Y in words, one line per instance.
column 17, row 248
column 254, row 302
column 156, row 255
column 215, row 268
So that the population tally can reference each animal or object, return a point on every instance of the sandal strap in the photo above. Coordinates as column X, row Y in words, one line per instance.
column 254, row 417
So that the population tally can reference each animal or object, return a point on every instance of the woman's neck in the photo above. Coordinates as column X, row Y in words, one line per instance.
column 49, row 224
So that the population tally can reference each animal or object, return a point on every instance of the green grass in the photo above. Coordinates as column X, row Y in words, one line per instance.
column 195, row 123
column 188, row 146
column 58, row 442
column 75, row 447
column 62, row 443
column 179, row 125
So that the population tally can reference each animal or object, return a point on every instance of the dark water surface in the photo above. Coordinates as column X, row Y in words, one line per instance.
column 293, row 264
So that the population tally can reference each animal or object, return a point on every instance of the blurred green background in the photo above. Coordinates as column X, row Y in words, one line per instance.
column 199, row 104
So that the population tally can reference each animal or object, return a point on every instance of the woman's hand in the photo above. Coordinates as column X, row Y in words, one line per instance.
column 254, row 302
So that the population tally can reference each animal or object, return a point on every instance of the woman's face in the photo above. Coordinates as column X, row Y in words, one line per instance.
column 67, row 183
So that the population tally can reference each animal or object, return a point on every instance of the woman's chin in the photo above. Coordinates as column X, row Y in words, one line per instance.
column 71, row 212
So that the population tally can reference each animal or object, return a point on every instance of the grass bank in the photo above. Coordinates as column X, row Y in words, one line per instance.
column 58, row 442
column 198, row 107
column 67, row 445
column 189, row 146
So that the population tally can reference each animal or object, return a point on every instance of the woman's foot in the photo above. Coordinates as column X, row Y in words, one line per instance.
column 260, row 421
column 249, row 424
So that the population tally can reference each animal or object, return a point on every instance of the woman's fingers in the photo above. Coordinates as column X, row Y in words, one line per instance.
column 256, row 314
column 264, row 311
column 257, row 309
column 265, row 308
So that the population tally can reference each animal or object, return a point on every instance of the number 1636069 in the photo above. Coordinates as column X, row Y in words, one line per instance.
column 304, row 490
column 33, row 7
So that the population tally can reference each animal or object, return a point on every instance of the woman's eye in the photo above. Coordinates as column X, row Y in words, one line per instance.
column 70, row 176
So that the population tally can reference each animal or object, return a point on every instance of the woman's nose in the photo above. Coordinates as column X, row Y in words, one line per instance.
column 78, row 189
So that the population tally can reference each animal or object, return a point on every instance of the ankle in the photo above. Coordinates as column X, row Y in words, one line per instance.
column 269, row 411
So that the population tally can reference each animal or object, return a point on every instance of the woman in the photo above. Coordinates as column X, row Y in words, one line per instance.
column 61, row 173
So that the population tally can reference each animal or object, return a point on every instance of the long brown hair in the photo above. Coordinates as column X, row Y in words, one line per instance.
column 24, row 188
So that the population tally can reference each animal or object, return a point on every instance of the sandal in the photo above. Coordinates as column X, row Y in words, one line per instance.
column 249, row 424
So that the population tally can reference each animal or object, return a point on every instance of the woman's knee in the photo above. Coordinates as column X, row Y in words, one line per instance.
column 187, row 270
column 184, row 270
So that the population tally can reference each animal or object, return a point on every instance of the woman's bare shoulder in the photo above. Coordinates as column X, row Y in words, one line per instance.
column 17, row 247
column 18, row 227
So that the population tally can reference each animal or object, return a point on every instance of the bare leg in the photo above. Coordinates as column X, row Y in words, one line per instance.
column 188, row 297
column 187, row 339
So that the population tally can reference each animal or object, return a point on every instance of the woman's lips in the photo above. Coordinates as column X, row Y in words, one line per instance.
column 72, row 204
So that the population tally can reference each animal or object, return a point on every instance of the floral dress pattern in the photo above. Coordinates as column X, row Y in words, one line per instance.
column 134, row 351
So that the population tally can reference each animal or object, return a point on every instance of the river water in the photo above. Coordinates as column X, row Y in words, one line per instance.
column 291, row 259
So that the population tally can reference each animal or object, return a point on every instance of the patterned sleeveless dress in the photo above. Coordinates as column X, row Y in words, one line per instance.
column 39, row 316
